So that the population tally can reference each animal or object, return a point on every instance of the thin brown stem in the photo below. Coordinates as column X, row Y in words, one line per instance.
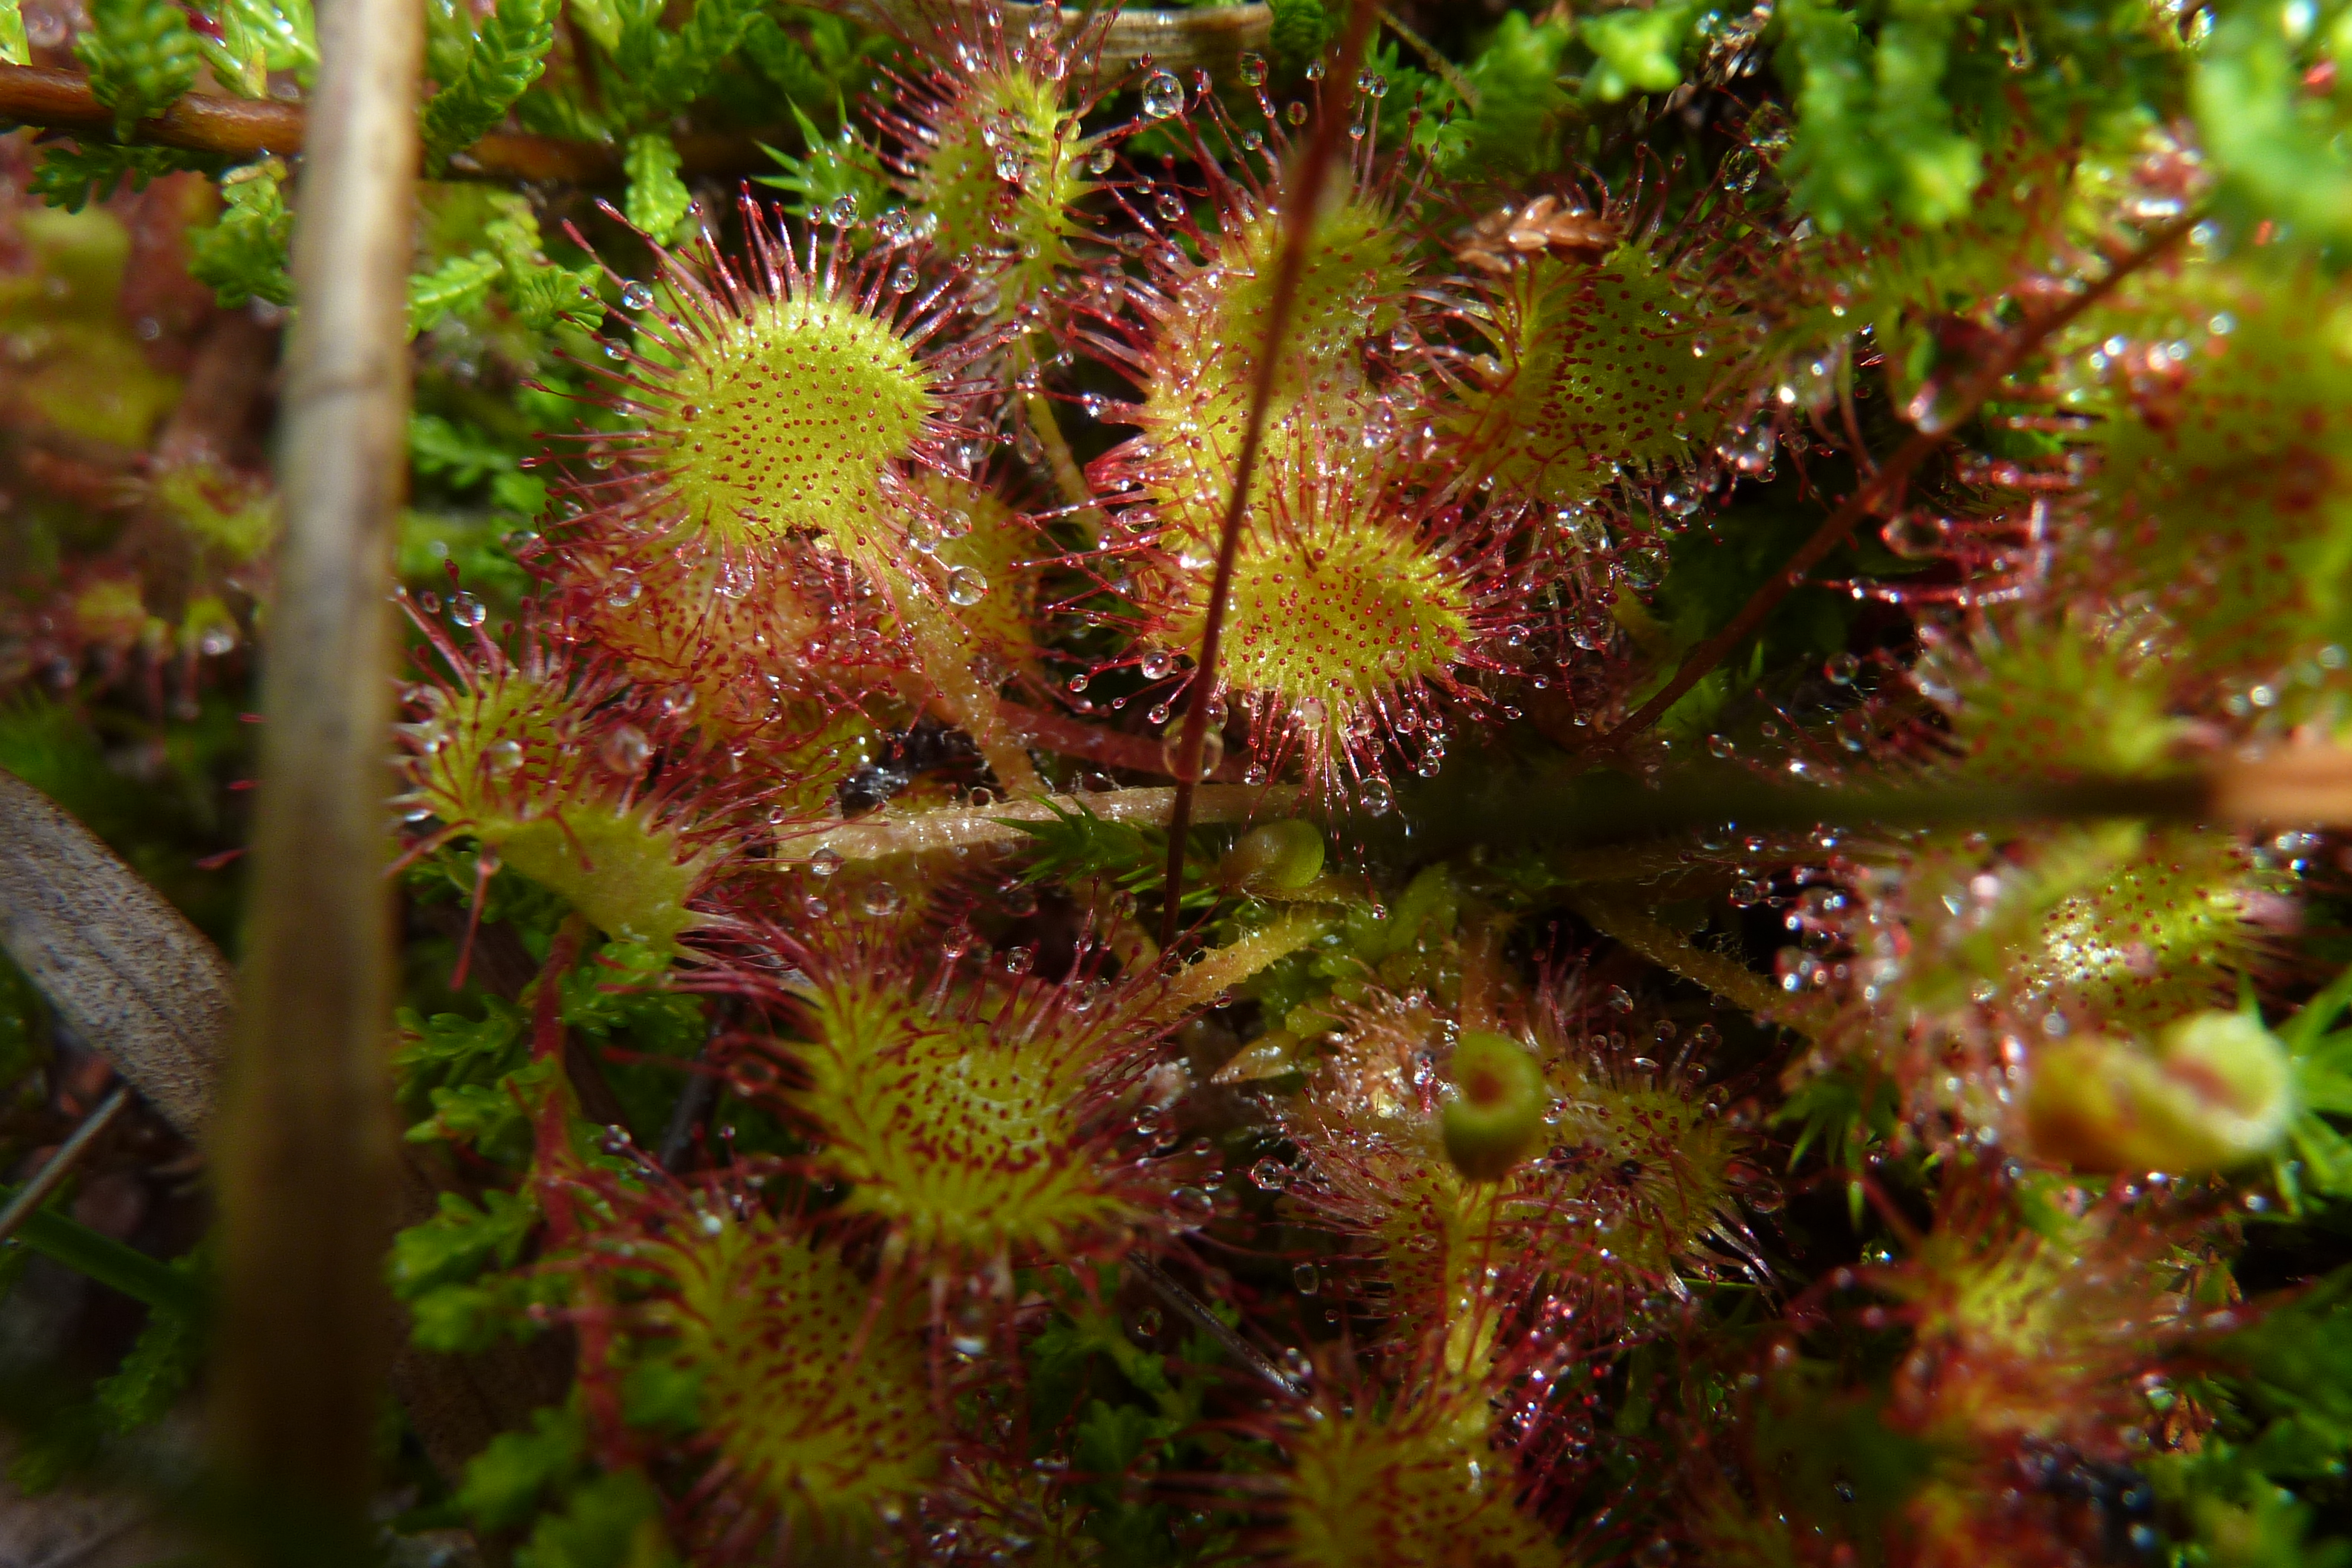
column 1887, row 479
column 1446, row 70
column 1211, row 39
column 243, row 128
column 1303, row 195
column 60, row 1164
column 306, row 1146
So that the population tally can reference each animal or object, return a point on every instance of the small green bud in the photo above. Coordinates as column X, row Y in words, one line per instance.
column 1274, row 856
column 1490, row 1125
column 2217, row 1093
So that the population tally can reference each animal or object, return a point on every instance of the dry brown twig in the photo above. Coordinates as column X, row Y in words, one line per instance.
column 246, row 127
column 305, row 1148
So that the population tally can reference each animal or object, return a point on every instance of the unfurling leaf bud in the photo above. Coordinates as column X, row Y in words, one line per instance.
column 1274, row 857
column 1500, row 1108
column 2215, row 1094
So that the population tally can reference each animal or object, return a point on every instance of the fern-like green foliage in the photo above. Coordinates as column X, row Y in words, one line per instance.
column 2275, row 1465
column 1513, row 121
column 835, row 62
column 1874, row 129
column 73, row 177
column 258, row 36
column 1637, row 51
column 505, row 1482
column 1898, row 109
column 655, row 71
column 498, row 65
column 831, row 168
column 2317, row 1159
column 1078, row 846
column 464, row 458
column 241, row 254
column 1304, row 28
column 542, row 294
column 142, row 55
column 459, row 286
column 150, row 1383
column 657, row 199
column 613, row 1520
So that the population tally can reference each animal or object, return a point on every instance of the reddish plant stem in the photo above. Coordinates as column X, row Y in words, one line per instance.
column 1888, row 479
column 249, row 127
column 1303, row 193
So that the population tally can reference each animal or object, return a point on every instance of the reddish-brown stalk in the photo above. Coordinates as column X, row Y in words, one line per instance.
column 1305, row 191
column 1939, row 414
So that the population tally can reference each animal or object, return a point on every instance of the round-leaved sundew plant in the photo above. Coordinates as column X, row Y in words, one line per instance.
column 963, row 1102
column 991, row 157
column 1363, row 612
column 1335, row 783
column 556, row 766
column 797, row 400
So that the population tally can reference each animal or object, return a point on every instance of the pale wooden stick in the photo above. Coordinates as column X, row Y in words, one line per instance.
column 306, row 1145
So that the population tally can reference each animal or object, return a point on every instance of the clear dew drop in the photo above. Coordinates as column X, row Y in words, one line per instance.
column 635, row 296
column 1172, row 746
column 1253, row 68
column 466, row 610
column 824, row 862
column 625, row 750
column 903, row 280
column 1839, row 669
column 1156, row 664
column 966, row 587
column 1303, row 1277
column 504, row 758
column 1164, row 96
column 1377, row 798
column 1269, row 1176
column 881, row 899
